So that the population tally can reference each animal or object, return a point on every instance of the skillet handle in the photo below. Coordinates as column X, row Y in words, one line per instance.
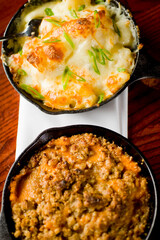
column 4, row 234
column 146, row 67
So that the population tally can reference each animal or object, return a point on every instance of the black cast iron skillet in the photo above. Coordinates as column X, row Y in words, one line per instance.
column 6, row 222
column 145, row 66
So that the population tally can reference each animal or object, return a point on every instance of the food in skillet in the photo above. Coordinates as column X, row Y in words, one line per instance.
column 80, row 187
column 82, row 56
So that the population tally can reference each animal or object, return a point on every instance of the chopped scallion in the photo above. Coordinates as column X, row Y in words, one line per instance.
column 116, row 29
column 121, row 69
column 67, row 74
column 66, row 82
column 65, row 77
column 97, row 23
column 33, row 92
column 21, row 72
column 80, row 79
column 101, row 97
column 82, row 7
column 73, row 13
column 69, row 40
column 100, row 55
column 49, row 12
column 20, row 52
column 94, row 64
column 55, row 22
column 99, row 1
column 66, row 70
column 104, row 50
column 51, row 41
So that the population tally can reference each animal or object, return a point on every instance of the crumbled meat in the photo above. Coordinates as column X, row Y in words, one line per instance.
column 80, row 187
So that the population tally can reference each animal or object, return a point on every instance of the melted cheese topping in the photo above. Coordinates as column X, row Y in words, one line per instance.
column 44, row 59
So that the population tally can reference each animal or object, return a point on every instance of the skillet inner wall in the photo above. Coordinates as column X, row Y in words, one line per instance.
column 69, row 131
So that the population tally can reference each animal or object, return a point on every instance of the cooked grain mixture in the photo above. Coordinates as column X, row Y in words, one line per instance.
column 80, row 187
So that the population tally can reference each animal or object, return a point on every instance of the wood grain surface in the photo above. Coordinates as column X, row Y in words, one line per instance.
column 144, row 101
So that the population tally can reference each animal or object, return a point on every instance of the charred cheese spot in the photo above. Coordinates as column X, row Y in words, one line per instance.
column 77, row 27
column 46, row 56
column 53, row 52
column 33, row 58
column 36, row 59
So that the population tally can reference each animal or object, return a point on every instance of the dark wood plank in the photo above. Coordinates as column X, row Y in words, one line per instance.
column 144, row 101
column 9, row 103
column 144, row 123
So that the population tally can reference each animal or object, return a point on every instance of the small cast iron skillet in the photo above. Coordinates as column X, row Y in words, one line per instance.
column 6, row 222
column 145, row 66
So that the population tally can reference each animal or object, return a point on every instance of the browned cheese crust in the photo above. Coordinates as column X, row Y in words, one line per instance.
column 80, row 187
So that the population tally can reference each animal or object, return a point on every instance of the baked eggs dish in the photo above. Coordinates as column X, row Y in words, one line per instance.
column 81, row 187
column 82, row 56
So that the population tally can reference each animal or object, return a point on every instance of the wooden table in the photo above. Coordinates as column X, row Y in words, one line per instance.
column 144, row 101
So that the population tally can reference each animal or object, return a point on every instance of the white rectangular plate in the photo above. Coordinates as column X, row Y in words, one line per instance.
column 32, row 121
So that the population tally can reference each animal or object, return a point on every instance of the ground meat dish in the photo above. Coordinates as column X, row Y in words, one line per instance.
column 80, row 187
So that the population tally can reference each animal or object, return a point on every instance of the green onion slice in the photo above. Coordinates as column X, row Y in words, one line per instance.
column 99, row 1
column 73, row 13
column 94, row 63
column 101, row 97
column 21, row 72
column 99, row 55
column 116, row 29
column 121, row 69
column 49, row 12
column 66, row 70
column 67, row 74
column 20, row 52
column 102, row 57
column 97, row 23
column 55, row 22
column 64, row 80
column 33, row 92
column 106, row 51
column 69, row 40
column 82, row 7
column 51, row 41
column 80, row 79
